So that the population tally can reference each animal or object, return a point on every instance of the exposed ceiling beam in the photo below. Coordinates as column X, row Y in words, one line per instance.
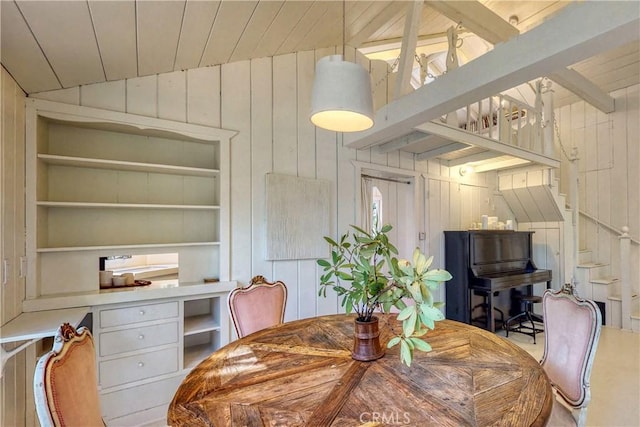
column 401, row 142
column 491, row 27
column 541, row 51
column 584, row 88
column 500, row 164
column 395, row 43
column 473, row 158
column 408, row 49
column 430, row 154
column 477, row 18
column 476, row 140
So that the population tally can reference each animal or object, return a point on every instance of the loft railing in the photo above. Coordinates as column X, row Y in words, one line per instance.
column 502, row 118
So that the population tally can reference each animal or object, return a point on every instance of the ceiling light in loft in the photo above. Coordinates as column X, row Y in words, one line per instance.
column 341, row 99
column 466, row 170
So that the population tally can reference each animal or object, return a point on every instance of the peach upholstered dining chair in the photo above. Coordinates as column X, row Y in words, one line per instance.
column 257, row 306
column 572, row 331
column 65, row 382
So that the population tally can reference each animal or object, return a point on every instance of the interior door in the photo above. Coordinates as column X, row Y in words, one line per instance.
column 391, row 201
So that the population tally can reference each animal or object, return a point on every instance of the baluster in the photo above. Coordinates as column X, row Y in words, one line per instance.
column 625, row 278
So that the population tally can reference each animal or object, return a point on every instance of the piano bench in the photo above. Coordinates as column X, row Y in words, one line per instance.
column 526, row 316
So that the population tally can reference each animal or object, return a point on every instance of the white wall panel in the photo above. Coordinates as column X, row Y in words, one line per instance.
column 327, row 144
column 236, row 110
column 107, row 96
column 142, row 96
column 305, row 64
column 261, row 161
column 203, row 96
column 13, row 384
column 172, row 96
column 285, row 153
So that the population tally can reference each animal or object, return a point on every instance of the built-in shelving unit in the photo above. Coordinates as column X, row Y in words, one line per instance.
column 102, row 182
column 202, row 329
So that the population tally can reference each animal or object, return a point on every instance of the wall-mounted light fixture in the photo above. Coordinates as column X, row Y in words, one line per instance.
column 465, row 170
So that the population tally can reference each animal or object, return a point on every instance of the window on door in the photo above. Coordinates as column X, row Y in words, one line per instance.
column 376, row 209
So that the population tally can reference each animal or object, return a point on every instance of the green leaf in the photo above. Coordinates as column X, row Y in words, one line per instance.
column 427, row 321
column 360, row 230
column 393, row 341
column 349, row 306
column 437, row 275
column 406, row 312
column 405, row 353
column 330, row 241
column 420, row 344
column 323, row 263
column 409, row 325
column 431, row 312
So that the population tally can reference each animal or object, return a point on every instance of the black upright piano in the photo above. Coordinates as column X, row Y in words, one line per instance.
column 487, row 261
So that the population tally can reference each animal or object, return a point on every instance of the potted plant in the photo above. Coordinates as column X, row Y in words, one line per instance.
column 365, row 273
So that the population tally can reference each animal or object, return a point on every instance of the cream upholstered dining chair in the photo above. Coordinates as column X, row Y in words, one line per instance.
column 572, row 331
column 257, row 306
column 65, row 382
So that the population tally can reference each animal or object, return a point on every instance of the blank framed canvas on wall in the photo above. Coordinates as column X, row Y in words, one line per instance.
column 298, row 216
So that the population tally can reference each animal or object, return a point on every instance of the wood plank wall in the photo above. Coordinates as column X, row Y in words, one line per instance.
column 609, row 176
column 13, row 386
column 268, row 101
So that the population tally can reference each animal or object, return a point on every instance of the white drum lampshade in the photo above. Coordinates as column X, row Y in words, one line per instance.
column 341, row 98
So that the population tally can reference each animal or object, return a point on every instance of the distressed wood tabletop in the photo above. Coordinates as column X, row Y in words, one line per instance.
column 301, row 374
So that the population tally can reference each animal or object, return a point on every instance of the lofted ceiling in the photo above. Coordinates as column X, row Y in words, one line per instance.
column 49, row 45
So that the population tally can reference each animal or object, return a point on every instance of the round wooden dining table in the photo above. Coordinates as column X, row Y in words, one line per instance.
column 301, row 374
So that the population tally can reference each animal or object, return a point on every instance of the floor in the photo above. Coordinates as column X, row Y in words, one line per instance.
column 615, row 378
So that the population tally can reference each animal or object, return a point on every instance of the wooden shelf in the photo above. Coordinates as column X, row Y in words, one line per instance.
column 54, row 159
column 109, row 247
column 75, row 205
column 197, row 353
column 198, row 324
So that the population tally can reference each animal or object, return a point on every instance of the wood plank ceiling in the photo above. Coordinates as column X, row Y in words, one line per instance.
column 49, row 45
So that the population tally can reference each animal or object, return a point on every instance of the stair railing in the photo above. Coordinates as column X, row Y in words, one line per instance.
column 626, row 290
column 625, row 278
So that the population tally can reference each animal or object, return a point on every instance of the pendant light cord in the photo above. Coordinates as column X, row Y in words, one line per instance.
column 344, row 30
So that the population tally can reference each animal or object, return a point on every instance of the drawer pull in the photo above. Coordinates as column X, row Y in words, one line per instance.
column 140, row 337
column 141, row 312
column 140, row 364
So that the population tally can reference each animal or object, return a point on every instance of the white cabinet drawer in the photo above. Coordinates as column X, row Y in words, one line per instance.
column 138, row 338
column 138, row 313
column 140, row 398
column 137, row 367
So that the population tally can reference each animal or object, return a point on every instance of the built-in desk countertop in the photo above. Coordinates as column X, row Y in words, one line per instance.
column 157, row 290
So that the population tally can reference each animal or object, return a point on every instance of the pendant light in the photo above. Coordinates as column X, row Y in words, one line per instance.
column 341, row 97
